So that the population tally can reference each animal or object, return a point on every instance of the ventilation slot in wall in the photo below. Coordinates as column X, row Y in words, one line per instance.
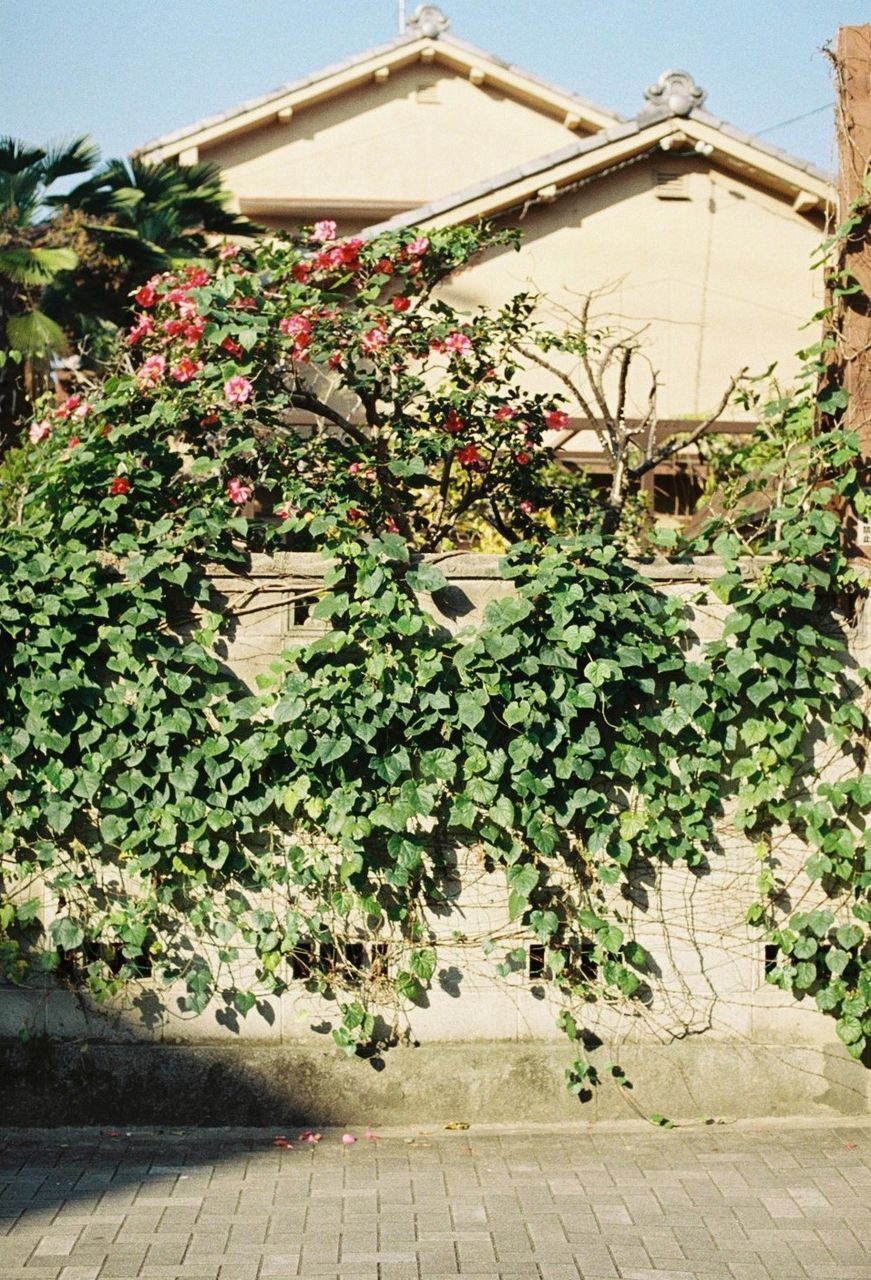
column 671, row 186
column 349, row 962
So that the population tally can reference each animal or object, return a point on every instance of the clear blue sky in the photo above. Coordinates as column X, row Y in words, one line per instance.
column 128, row 70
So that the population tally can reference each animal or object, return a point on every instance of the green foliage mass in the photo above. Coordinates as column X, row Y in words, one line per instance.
column 574, row 744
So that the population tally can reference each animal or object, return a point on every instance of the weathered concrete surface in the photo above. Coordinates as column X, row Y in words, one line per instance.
column 50, row 1083
column 760, row 1202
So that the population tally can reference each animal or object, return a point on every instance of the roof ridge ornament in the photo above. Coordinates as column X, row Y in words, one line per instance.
column 675, row 93
column 427, row 20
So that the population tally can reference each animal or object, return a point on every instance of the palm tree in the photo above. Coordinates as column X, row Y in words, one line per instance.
column 30, row 260
column 69, row 262
column 144, row 218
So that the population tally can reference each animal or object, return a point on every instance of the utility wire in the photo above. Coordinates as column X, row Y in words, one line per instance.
column 827, row 106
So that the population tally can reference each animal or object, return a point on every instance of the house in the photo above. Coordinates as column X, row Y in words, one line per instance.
column 384, row 132
column 688, row 234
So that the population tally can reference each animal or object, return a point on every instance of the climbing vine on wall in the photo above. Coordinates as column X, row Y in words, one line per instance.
column 308, row 830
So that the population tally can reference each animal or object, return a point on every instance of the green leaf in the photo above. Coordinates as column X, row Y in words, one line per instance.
column 426, row 577
column 502, row 812
column 288, row 709
column 332, row 749
column 58, row 814
column 635, row 954
column 423, row 963
column 66, row 933
column 516, row 712
column 469, row 710
column 849, row 1030
column 407, row 986
column 35, row 334
column 522, row 878
column 36, row 266
column 850, row 935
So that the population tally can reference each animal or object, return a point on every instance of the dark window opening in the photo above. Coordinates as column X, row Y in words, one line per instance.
column 300, row 611
column 587, row 964
column 346, row 962
column 111, row 954
column 536, row 961
column 676, row 493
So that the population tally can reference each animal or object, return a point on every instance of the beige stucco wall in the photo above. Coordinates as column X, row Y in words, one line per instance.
column 387, row 142
column 713, row 282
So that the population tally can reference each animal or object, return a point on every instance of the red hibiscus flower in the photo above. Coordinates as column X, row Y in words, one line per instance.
column 468, row 457
column 556, row 419
column 146, row 296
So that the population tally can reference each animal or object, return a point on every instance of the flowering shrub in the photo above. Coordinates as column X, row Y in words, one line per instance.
column 324, row 381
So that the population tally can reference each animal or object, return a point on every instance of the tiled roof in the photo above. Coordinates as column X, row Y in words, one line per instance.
column 468, row 51
column 586, row 146
column 750, row 140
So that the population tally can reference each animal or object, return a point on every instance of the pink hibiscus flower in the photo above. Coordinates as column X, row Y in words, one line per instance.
column 38, row 431
column 323, row 232
column 458, row 343
column 150, row 372
column 237, row 390
column 144, row 326
column 373, row 340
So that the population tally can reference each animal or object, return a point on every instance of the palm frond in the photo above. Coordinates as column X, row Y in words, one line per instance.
column 17, row 156
column 35, row 266
column 34, row 334
column 76, row 155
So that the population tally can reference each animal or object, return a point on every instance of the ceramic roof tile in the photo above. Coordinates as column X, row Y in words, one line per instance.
column 750, row 140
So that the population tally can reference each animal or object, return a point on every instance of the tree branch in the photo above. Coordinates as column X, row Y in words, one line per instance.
column 669, row 450
column 308, row 401
column 604, row 434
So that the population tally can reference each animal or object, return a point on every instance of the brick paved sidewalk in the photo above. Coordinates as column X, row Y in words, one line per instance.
column 762, row 1201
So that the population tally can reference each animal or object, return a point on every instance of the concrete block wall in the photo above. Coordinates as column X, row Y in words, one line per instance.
column 713, row 1039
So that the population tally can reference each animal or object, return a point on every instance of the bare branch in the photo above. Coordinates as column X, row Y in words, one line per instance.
column 669, row 450
column 605, row 435
column 625, row 362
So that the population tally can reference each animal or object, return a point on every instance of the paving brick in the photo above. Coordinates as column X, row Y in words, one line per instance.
column 789, row 1203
